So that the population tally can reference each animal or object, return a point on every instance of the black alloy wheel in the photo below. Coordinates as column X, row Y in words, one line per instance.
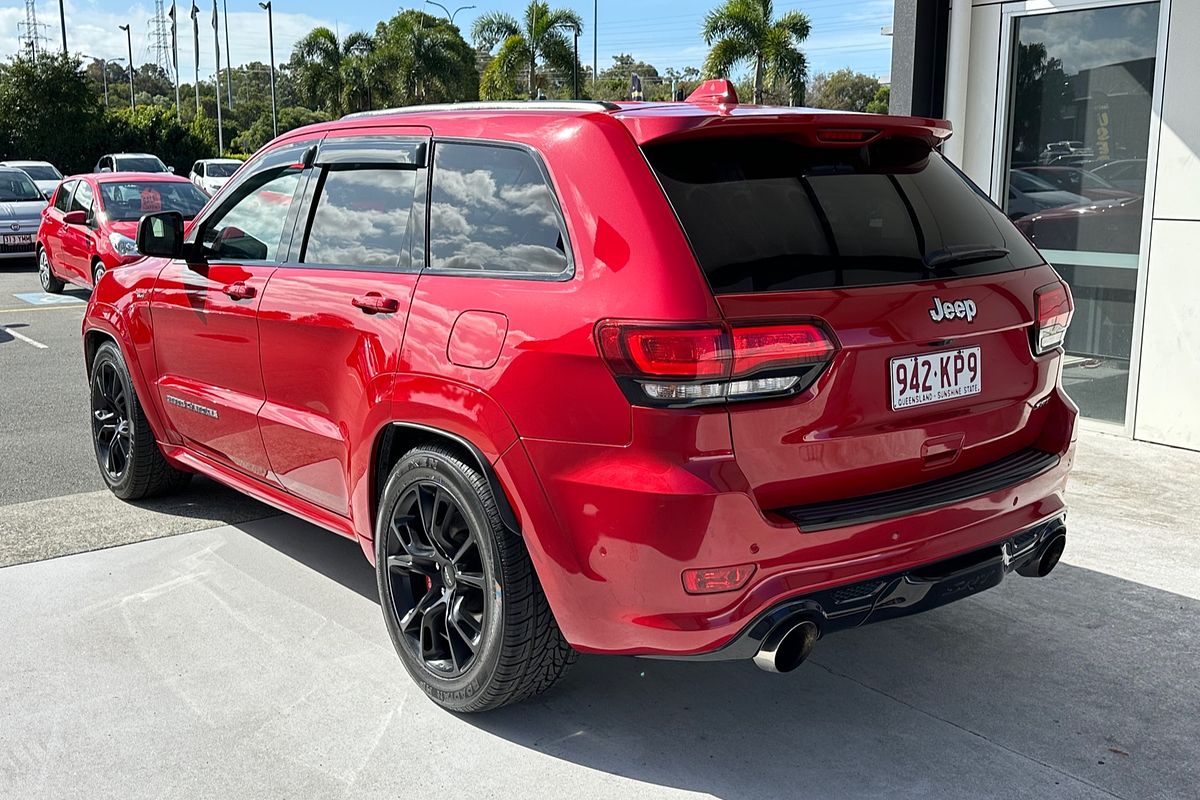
column 111, row 421
column 436, row 580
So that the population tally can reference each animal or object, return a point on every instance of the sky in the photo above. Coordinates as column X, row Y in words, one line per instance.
column 665, row 33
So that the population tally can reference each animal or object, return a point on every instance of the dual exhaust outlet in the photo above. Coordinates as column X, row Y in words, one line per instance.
column 790, row 643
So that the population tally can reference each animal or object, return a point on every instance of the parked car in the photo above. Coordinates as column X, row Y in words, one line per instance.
column 1114, row 226
column 21, row 204
column 1078, row 181
column 1064, row 152
column 210, row 174
column 696, row 380
column 44, row 174
column 1028, row 194
column 1127, row 173
column 131, row 162
column 89, row 226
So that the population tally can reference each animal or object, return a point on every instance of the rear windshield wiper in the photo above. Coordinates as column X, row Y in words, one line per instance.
column 957, row 254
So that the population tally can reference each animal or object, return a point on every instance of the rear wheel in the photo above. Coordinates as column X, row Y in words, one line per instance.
column 460, row 598
column 130, row 461
column 50, row 284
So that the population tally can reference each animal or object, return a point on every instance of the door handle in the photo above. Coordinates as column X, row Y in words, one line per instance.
column 374, row 303
column 239, row 291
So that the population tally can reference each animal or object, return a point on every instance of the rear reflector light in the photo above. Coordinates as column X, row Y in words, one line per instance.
column 672, row 364
column 1053, row 316
column 716, row 579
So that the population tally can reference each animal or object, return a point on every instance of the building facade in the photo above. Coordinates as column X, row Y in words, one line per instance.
column 1080, row 118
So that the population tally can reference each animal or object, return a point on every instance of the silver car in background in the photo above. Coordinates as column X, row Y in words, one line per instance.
column 21, row 205
column 44, row 174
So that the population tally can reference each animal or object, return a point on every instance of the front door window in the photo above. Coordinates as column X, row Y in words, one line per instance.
column 1079, row 135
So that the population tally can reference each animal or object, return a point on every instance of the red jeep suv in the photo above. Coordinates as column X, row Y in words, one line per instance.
column 685, row 380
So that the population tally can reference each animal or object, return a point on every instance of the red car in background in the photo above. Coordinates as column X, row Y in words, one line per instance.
column 89, row 226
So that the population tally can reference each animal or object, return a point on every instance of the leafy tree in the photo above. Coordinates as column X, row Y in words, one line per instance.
column 427, row 59
column 844, row 90
column 153, row 129
column 614, row 82
column 316, row 65
column 882, row 101
column 259, row 133
column 48, row 111
column 542, row 37
column 746, row 31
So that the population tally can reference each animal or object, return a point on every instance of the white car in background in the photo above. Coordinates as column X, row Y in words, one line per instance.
column 131, row 162
column 210, row 174
column 43, row 174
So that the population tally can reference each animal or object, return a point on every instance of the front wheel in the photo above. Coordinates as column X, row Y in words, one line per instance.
column 130, row 462
column 50, row 284
column 97, row 273
column 461, row 601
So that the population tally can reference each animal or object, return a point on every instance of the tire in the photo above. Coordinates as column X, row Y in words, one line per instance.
column 98, row 271
column 128, row 456
column 50, row 284
column 462, row 604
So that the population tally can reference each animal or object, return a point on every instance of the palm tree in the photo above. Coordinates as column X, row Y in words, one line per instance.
column 539, row 37
column 427, row 59
column 744, row 30
column 317, row 65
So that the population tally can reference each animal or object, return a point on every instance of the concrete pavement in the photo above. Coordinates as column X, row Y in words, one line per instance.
column 251, row 661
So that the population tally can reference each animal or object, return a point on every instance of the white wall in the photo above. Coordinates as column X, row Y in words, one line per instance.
column 1168, row 406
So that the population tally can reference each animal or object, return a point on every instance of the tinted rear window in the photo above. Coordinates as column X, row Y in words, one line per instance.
column 140, row 164
column 771, row 214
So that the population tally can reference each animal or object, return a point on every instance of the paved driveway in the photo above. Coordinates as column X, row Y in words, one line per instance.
column 251, row 661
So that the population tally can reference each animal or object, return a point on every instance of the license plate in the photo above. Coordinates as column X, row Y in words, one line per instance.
column 933, row 377
column 20, row 238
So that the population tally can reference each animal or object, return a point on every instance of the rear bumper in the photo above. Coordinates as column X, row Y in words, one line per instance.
column 896, row 595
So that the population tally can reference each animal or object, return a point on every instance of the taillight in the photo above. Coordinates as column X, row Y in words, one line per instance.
column 662, row 364
column 716, row 579
column 1053, row 310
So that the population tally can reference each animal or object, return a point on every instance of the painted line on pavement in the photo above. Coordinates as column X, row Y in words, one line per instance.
column 24, row 338
column 72, row 307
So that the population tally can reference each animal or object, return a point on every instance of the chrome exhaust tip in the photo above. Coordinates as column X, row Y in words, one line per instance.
column 1046, row 560
column 787, row 646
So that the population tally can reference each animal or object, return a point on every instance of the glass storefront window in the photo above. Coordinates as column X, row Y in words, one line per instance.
column 1079, row 134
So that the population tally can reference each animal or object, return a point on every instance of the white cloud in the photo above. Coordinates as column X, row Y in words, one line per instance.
column 93, row 30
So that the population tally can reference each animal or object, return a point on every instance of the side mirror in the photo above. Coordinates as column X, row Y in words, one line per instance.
column 161, row 235
column 75, row 218
column 105, row 169
column 171, row 170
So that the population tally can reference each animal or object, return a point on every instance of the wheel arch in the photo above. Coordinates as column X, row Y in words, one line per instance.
column 397, row 438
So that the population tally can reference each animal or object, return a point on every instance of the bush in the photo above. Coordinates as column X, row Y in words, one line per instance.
column 154, row 129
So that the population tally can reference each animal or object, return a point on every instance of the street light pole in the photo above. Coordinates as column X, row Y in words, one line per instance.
column 129, row 44
column 271, row 36
column 62, row 22
column 449, row 13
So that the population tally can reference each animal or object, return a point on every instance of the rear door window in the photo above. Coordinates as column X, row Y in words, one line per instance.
column 493, row 212
column 363, row 218
column 772, row 214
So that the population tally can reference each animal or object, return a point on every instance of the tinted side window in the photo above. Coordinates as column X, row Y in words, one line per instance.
column 62, row 200
column 249, row 226
column 492, row 211
column 362, row 218
column 82, row 201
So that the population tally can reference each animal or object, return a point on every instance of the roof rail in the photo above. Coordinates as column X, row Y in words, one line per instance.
column 498, row 105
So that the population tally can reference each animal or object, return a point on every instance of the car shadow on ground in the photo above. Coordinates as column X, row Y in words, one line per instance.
column 1077, row 685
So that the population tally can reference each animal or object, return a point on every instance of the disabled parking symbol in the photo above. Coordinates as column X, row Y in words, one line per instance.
column 46, row 299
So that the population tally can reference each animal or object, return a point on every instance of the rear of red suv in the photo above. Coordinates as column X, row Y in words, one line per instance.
column 691, row 380
column 869, row 424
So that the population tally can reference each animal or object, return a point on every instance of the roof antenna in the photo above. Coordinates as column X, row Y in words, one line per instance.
column 719, row 91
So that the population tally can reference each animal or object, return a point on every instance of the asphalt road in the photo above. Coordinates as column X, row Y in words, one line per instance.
column 245, row 655
column 52, row 500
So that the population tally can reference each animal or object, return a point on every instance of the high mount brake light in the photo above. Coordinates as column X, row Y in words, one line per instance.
column 846, row 135
column 1053, row 311
column 664, row 364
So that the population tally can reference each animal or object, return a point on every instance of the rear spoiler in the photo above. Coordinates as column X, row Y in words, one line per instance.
column 713, row 109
